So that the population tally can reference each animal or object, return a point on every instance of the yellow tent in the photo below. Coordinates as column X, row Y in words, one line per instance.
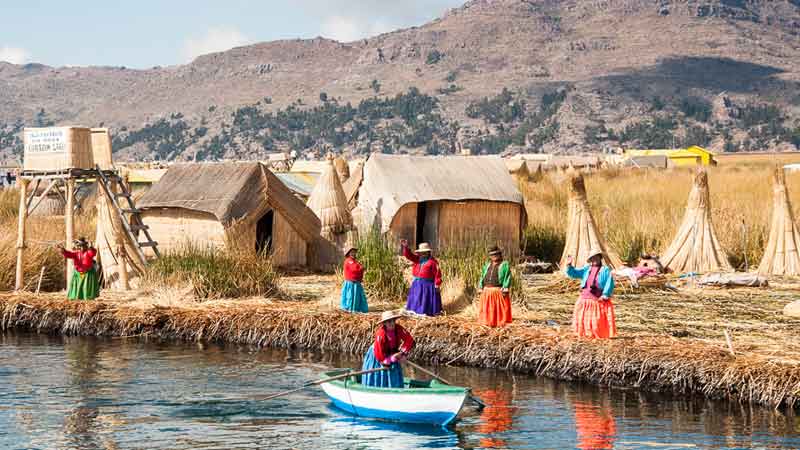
column 690, row 156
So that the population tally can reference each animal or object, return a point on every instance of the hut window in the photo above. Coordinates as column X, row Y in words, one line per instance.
column 264, row 229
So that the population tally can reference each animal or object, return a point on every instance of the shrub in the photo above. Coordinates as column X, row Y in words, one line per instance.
column 383, row 277
column 215, row 274
column 434, row 56
column 544, row 242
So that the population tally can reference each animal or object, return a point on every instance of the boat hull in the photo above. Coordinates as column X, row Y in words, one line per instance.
column 433, row 406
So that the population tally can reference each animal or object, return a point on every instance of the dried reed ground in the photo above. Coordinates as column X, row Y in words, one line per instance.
column 646, row 356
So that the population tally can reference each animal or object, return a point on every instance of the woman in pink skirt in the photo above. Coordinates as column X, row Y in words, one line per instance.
column 594, row 313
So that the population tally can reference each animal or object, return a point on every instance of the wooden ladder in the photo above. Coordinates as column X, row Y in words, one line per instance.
column 135, row 224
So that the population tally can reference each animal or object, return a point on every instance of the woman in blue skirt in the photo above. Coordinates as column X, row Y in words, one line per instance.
column 392, row 346
column 353, row 297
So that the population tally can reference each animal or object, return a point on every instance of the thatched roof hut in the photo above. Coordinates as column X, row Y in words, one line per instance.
column 329, row 203
column 445, row 201
column 781, row 256
column 695, row 247
column 582, row 232
column 236, row 204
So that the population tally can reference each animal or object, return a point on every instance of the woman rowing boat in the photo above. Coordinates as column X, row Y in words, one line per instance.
column 391, row 347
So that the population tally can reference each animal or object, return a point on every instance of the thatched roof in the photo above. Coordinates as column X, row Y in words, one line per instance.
column 781, row 256
column 582, row 232
column 695, row 247
column 392, row 181
column 230, row 192
column 329, row 203
column 352, row 184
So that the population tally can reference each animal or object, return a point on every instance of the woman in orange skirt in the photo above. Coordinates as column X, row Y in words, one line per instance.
column 495, row 284
column 594, row 313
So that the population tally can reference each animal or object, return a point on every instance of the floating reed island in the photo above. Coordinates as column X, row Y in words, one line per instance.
column 653, row 362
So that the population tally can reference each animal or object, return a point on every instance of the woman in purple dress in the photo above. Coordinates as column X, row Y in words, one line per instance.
column 424, row 296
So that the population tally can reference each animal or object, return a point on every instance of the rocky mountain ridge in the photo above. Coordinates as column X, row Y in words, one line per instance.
column 493, row 76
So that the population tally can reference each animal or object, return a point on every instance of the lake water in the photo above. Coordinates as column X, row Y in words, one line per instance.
column 82, row 393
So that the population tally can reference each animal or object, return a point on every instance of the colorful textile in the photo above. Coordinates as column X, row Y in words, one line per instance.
column 353, row 270
column 84, row 285
column 392, row 378
column 424, row 298
column 427, row 268
column 388, row 342
column 592, row 290
column 604, row 279
column 353, row 297
column 503, row 275
column 82, row 259
column 495, row 307
column 594, row 318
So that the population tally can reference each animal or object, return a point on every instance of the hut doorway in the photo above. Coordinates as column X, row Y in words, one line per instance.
column 264, row 229
column 428, row 223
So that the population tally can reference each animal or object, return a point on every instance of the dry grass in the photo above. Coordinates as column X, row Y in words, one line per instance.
column 43, row 234
column 650, row 362
column 640, row 211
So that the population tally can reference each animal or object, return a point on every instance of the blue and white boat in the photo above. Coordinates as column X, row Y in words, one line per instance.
column 423, row 402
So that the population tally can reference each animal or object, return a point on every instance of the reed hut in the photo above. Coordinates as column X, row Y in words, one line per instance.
column 695, row 247
column 451, row 201
column 582, row 232
column 329, row 203
column 518, row 168
column 241, row 205
column 781, row 256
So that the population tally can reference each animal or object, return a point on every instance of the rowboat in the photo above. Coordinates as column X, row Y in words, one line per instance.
column 421, row 402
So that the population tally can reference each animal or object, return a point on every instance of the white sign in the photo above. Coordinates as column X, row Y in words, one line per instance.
column 47, row 140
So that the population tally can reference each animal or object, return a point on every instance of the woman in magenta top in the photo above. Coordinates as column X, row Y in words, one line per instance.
column 353, row 297
column 593, row 316
column 424, row 297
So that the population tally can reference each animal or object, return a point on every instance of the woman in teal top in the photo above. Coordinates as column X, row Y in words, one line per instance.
column 495, row 288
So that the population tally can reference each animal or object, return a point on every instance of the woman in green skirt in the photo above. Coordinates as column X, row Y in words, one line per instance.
column 85, row 284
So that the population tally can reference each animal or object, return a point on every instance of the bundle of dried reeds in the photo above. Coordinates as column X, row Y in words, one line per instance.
column 695, row 247
column 781, row 256
column 329, row 203
column 649, row 362
column 582, row 232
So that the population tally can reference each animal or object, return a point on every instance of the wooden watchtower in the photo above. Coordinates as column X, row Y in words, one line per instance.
column 63, row 161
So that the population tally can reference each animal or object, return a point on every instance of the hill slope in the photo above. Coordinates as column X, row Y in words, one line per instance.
column 580, row 75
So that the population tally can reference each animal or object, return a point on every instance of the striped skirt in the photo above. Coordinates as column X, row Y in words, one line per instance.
column 594, row 318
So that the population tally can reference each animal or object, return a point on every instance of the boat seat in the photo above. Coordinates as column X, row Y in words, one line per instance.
column 418, row 384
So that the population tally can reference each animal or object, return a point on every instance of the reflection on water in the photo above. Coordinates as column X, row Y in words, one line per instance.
column 78, row 393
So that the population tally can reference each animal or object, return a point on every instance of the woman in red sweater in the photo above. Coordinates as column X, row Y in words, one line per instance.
column 391, row 347
column 84, row 285
column 424, row 296
column 353, row 297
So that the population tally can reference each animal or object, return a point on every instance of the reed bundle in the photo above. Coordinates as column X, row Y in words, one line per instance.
column 655, row 363
column 781, row 256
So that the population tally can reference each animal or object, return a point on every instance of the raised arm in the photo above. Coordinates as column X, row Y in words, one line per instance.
column 437, row 273
column 574, row 272
column 409, row 255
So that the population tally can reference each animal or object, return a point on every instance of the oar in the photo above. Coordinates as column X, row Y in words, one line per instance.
column 314, row 383
column 476, row 400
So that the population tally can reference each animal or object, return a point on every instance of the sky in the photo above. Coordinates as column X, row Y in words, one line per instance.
column 147, row 33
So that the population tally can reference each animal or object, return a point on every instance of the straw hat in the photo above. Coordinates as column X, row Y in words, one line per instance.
column 391, row 314
column 423, row 248
column 349, row 249
column 495, row 250
column 594, row 251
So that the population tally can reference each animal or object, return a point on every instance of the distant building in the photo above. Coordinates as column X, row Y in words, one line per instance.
column 691, row 156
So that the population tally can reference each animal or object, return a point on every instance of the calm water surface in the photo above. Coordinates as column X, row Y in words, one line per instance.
column 79, row 393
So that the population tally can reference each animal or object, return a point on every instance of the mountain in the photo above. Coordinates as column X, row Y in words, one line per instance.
column 492, row 76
